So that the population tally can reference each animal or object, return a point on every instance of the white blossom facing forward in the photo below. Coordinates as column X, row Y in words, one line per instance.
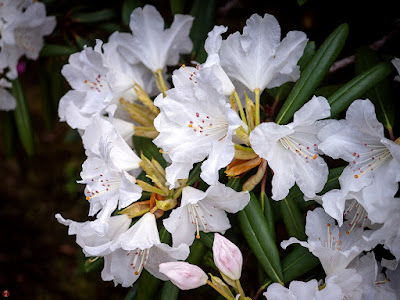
column 292, row 150
column 137, row 248
column 204, row 211
column 258, row 58
column 335, row 246
column 195, row 123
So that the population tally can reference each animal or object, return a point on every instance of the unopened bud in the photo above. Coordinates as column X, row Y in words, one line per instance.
column 184, row 275
column 227, row 257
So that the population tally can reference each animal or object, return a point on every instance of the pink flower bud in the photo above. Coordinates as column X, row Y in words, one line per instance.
column 227, row 257
column 184, row 275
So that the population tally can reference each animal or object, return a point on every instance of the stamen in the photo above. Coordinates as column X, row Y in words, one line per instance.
column 370, row 159
column 216, row 127
column 101, row 186
column 300, row 146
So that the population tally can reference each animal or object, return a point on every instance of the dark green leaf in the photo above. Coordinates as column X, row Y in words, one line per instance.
column 313, row 73
column 328, row 90
column 297, row 263
column 149, row 150
column 204, row 14
column 308, row 54
column 169, row 291
column 93, row 265
column 194, row 175
column 148, row 286
column 127, row 7
column 92, row 17
column 255, row 230
column 293, row 218
column 352, row 90
column 56, row 50
column 207, row 239
column 132, row 292
column 333, row 180
column 266, row 206
column 380, row 94
column 22, row 118
column 177, row 6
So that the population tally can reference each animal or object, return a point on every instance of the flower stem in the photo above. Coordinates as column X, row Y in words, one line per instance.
column 257, row 92
column 219, row 291
column 240, row 107
column 391, row 133
column 240, row 289
column 160, row 82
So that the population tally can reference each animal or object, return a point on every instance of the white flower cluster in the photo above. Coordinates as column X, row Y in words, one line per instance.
column 23, row 23
column 201, row 120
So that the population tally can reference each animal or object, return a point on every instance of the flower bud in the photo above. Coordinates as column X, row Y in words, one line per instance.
column 227, row 257
column 184, row 275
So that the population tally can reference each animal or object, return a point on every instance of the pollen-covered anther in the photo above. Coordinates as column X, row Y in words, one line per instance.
column 101, row 185
column 301, row 147
column 96, row 84
column 196, row 215
column 202, row 125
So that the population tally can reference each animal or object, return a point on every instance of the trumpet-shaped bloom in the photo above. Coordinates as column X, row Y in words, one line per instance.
column 374, row 161
column 155, row 46
column 258, row 58
column 184, row 275
column 335, row 246
column 91, row 242
column 292, row 150
column 204, row 211
column 137, row 248
column 195, row 123
column 22, row 28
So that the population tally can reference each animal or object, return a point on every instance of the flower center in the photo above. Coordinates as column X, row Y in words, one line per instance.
column 101, row 186
column 371, row 158
column 333, row 242
column 96, row 84
column 359, row 215
column 204, row 125
column 300, row 146
column 196, row 215
column 139, row 260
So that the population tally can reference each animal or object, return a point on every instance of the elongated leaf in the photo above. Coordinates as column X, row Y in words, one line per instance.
column 204, row 14
column 380, row 94
column 169, row 291
column 255, row 230
column 297, row 263
column 207, row 239
column 56, row 50
column 92, row 265
column 148, row 286
column 355, row 88
column 177, row 6
column 265, row 202
column 293, row 218
column 333, row 180
column 22, row 118
column 92, row 17
column 313, row 73
column 127, row 7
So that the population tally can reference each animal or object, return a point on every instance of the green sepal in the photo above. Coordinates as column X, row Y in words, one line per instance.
column 255, row 230
column 313, row 74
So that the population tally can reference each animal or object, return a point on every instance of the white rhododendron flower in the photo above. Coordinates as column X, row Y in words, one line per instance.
column 155, row 46
column 299, row 290
column 258, row 58
column 195, row 123
column 22, row 27
column 292, row 150
column 374, row 161
column 137, row 248
column 204, row 211
column 335, row 246
column 91, row 242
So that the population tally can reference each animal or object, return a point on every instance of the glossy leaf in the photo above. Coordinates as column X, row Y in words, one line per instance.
column 204, row 14
column 293, row 218
column 169, row 291
column 313, row 74
column 255, row 230
column 355, row 88
column 333, row 180
column 22, row 118
column 148, row 286
column 380, row 94
column 297, row 263
column 266, row 207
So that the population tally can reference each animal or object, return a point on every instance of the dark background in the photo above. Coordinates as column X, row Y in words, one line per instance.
column 38, row 260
